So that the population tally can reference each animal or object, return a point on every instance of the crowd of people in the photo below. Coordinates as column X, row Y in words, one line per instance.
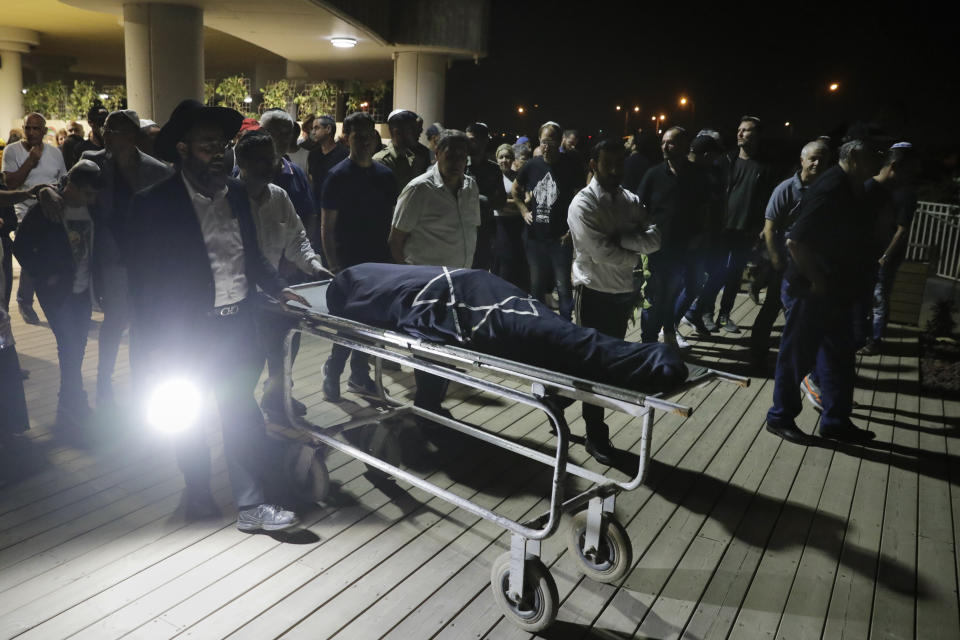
column 171, row 231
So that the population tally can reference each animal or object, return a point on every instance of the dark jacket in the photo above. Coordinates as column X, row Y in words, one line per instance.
column 171, row 280
column 109, row 215
column 43, row 250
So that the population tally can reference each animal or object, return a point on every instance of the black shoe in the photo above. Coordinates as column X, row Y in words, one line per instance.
column 28, row 314
column 707, row 321
column 848, row 433
column 696, row 323
column 788, row 432
column 601, row 450
column 872, row 348
column 199, row 505
column 363, row 386
column 298, row 407
column 331, row 385
column 755, row 296
column 727, row 324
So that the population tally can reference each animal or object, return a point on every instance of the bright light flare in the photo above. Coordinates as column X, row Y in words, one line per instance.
column 343, row 43
column 834, row 86
column 683, row 101
column 174, row 406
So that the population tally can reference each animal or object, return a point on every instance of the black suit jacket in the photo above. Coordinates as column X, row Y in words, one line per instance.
column 171, row 280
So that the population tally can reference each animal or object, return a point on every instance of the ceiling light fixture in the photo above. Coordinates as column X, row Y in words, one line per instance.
column 343, row 43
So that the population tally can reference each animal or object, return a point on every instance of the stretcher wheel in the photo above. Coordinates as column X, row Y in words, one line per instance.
column 306, row 473
column 385, row 445
column 612, row 560
column 538, row 608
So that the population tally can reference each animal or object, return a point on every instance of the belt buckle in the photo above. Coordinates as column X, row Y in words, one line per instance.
column 228, row 310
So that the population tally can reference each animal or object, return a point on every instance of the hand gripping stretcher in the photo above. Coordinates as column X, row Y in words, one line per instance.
column 522, row 585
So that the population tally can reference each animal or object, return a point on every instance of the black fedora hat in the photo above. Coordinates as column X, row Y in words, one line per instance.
column 185, row 115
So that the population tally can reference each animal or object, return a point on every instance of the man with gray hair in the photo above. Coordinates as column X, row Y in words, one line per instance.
column 821, row 285
column 782, row 210
column 28, row 163
column 435, row 223
column 289, row 176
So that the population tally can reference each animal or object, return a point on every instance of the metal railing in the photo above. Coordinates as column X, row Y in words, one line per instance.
column 937, row 224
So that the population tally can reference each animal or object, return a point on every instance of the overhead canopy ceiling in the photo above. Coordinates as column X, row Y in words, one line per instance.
column 238, row 34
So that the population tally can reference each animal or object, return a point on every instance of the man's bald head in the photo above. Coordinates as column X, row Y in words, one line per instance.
column 814, row 158
column 34, row 128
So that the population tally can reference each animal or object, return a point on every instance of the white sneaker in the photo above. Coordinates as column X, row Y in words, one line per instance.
column 681, row 341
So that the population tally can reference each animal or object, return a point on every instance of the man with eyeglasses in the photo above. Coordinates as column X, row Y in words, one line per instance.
column 194, row 268
column 28, row 163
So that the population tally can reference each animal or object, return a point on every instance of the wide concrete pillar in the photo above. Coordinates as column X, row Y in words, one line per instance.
column 13, row 42
column 419, row 82
column 163, row 45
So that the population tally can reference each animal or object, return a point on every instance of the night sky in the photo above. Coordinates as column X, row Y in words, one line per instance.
column 896, row 65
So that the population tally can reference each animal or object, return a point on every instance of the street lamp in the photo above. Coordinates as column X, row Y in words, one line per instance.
column 683, row 102
column 834, row 86
column 636, row 109
column 663, row 117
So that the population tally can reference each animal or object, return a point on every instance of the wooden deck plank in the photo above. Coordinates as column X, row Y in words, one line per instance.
column 894, row 606
column 583, row 599
column 95, row 545
column 285, row 588
column 809, row 597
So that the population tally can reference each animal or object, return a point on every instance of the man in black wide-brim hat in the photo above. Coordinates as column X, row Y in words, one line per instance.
column 194, row 268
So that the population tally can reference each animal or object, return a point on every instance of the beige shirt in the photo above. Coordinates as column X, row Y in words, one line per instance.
column 442, row 226
column 221, row 235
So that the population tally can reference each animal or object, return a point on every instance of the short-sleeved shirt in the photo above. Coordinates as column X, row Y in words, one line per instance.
column 48, row 171
column 830, row 224
column 784, row 206
column 364, row 199
column 320, row 164
column 553, row 187
column 748, row 191
column 677, row 202
column 442, row 226
column 406, row 165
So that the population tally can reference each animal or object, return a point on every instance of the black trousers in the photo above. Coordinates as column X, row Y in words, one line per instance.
column 69, row 317
column 769, row 310
column 224, row 357
column 608, row 313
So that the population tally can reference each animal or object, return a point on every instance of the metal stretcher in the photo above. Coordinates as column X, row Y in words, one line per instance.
column 522, row 585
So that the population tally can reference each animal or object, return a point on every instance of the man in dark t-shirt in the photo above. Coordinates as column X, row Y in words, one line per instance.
column 891, row 203
column 324, row 156
column 750, row 181
column 820, row 287
column 359, row 196
column 543, row 190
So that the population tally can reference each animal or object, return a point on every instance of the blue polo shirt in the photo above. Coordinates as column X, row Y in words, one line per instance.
column 295, row 182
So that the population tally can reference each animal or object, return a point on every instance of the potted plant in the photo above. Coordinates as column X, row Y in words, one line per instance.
column 940, row 351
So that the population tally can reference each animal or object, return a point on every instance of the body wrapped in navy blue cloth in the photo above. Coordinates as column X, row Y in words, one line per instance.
column 476, row 310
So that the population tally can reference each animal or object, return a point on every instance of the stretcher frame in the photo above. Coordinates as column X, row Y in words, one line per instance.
column 546, row 388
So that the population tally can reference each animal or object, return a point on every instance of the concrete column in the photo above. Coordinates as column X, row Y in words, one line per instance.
column 163, row 45
column 419, row 82
column 13, row 42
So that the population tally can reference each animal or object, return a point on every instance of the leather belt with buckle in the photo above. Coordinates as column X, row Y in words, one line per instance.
column 226, row 310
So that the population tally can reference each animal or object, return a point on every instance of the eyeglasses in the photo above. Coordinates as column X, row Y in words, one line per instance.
column 210, row 146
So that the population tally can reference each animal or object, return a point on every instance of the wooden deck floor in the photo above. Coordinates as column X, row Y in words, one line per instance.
column 736, row 534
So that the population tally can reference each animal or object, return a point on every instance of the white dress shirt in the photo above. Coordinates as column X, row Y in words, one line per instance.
column 221, row 234
column 280, row 232
column 609, row 234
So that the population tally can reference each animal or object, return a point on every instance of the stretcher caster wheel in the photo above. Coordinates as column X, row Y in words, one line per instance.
column 306, row 473
column 612, row 559
column 385, row 445
column 537, row 609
